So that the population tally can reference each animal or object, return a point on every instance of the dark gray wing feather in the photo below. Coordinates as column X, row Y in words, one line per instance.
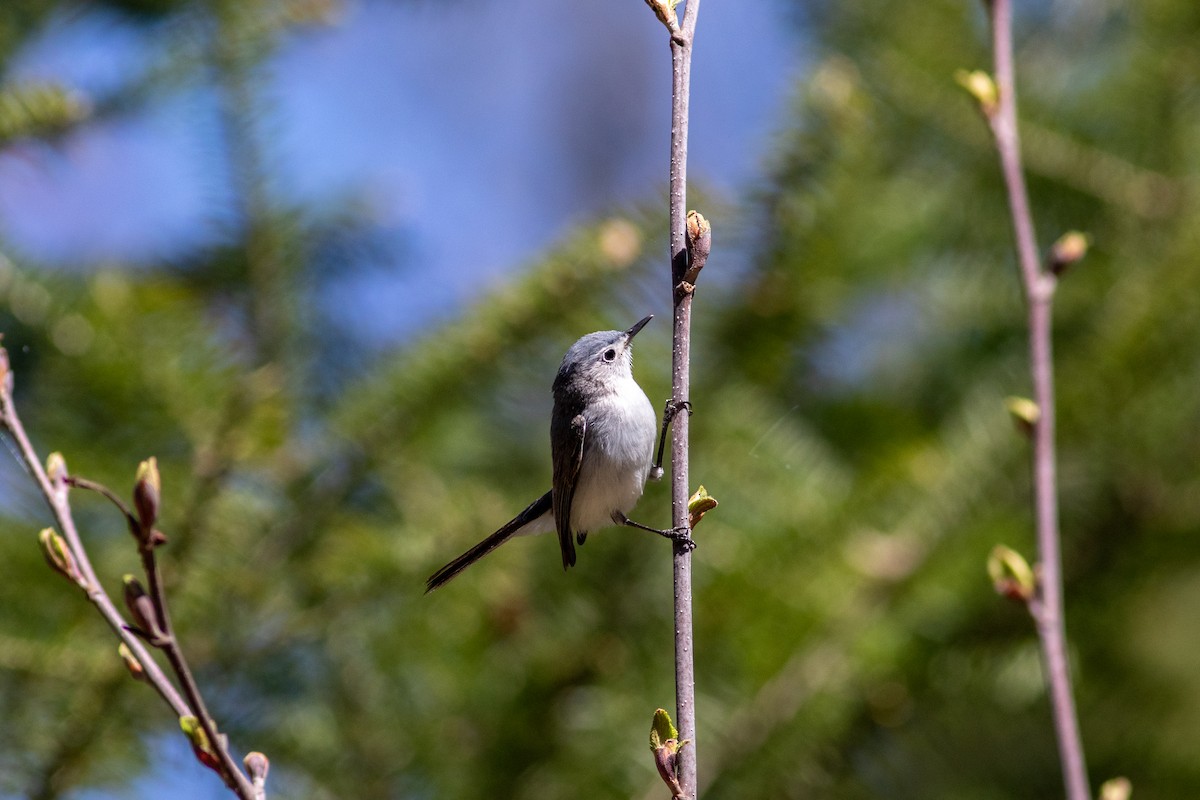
column 568, row 439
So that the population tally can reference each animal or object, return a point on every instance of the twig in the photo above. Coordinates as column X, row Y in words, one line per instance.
column 55, row 495
column 54, row 484
column 230, row 773
column 1046, row 604
column 682, row 38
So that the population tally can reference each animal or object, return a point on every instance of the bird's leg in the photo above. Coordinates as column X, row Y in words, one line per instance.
column 669, row 411
column 681, row 535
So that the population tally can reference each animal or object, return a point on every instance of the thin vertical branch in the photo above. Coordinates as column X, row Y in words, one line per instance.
column 1046, row 606
column 685, row 682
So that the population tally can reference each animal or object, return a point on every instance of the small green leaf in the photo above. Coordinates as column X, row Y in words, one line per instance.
column 195, row 732
column 1011, row 574
column 661, row 730
column 1025, row 413
column 979, row 85
column 700, row 504
column 200, row 745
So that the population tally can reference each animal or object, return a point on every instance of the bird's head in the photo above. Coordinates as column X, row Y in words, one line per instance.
column 600, row 357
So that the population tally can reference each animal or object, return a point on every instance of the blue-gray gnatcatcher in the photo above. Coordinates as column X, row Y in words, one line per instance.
column 601, row 441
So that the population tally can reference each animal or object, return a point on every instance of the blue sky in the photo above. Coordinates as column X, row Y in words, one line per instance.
column 450, row 123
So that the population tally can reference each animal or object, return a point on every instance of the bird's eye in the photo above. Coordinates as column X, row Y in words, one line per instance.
column 610, row 354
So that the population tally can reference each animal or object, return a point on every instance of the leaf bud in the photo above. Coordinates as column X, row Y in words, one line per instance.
column 661, row 728
column 1011, row 574
column 257, row 766
column 699, row 244
column 665, row 744
column 200, row 745
column 141, row 609
column 1070, row 248
column 6, row 376
column 665, row 11
column 147, row 491
column 980, row 86
column 700, row 504
column 136, row 670
column 1025, row 413
column 56, row 469
column 59, row 556
column 1116, row 789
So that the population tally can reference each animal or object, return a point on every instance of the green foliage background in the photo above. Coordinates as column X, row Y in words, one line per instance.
column 849, row 379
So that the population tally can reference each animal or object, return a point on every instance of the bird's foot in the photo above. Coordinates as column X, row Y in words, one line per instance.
column 673, row 407
column 682, row 536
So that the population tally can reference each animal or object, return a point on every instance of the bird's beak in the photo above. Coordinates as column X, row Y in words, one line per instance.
column 632, row 332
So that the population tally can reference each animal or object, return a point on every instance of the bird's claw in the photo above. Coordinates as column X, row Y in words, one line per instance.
column 673, row 407
column 682, row 536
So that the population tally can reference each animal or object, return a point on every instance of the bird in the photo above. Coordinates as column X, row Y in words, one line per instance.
column 602, row 431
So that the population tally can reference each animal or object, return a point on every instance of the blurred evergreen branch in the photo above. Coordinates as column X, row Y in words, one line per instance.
column 39, row 110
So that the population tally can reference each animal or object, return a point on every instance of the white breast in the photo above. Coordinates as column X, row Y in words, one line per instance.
column 619, row 449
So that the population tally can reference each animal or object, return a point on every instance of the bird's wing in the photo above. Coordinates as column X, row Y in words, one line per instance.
column 568, row 443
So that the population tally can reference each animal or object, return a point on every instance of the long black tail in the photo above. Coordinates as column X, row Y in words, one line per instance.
column 535, row 509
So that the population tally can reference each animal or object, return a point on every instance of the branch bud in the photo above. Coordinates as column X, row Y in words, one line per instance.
column 1116, row 789
column 147, row 491
column 200, row 745
column 665, row 11
column 1011, row 574
column 6, row 376
column 980, row 86
column 661, row 728
column 1025, row 413
column 665, row 744
column 1071, row 247
column 141, row 609
column 58, row 556
column 700, row 504
column 257, row 766
column 136, row 670
column 56, row 469
column 699, row 243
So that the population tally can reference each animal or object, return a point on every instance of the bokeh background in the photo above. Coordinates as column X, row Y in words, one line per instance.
column 322, row 257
